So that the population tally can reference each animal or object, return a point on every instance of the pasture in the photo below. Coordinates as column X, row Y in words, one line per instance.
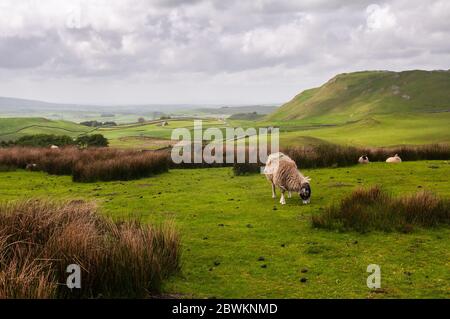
column 376, row 130
column 14, row 127
column 150, row 135
column 381, row 130
column 238, row 242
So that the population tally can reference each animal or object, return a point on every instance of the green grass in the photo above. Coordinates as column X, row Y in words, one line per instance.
column 149, row 135
column 14, row 127
column 201, row 201
column 381, row 130
column 378, row 130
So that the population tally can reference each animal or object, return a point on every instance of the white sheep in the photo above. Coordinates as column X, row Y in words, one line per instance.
column 394, row 159
column 31, row 167
column 363, row 160
column 282, row 172
column 54, row 147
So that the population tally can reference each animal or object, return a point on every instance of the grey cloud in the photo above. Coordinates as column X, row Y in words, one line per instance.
column 26, row 52
column 216, row 37
column 190, row 36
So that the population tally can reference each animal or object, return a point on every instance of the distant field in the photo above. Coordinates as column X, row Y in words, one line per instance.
column 238, row 242
column 377, row 130
column 13, row 128
column 150, row 135
column 78, row 116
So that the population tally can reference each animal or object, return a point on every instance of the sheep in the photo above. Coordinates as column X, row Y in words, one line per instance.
column 394, row 159
column 269, row 169
column 363, row 160
column 31, row 167
column 282, row 171
column 54, row 147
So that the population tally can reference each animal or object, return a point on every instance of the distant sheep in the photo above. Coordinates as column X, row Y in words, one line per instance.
column 282, row 172
column 54, row 147
column 363, row 160
column 31, row 167
column 394, row 159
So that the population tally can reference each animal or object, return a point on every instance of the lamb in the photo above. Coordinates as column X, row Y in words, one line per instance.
column 394, row 159
column 363, row 160
column 282, row 171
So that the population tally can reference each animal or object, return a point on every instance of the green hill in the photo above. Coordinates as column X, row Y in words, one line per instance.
column 352, row 96
column 14, row 127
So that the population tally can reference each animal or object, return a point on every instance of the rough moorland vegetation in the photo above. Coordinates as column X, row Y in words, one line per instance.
column 372, row 208
column 330, row 155
column 87, row 165
column 39, row 239
column 104, row 164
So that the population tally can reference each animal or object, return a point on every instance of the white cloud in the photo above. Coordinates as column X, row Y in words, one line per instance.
column 380, row 17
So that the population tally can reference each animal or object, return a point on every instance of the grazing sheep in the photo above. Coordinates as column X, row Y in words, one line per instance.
column 54, row 147
column 363, row 160
column 282, row 171
column 31, row 167
column 394, row 159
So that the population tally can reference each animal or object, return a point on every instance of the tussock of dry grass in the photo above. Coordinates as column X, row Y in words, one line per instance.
column 88, row 165
column 39, row 239
column 329, row 155
column 373, row 209
column 105, row 164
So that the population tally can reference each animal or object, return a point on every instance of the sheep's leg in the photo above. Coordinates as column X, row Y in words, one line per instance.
column 282, row 200
column 273, row 191
column 289, row 194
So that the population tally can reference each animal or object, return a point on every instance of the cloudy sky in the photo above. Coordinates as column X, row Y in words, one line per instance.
column 208, row 51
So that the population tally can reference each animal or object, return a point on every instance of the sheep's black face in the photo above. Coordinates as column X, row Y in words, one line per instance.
column 305, row 193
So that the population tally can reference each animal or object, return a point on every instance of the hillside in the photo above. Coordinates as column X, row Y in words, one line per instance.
column 14, row 127
column 352, row 96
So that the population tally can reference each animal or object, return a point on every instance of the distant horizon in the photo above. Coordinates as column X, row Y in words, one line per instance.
column 202, row 104
column 218, row 105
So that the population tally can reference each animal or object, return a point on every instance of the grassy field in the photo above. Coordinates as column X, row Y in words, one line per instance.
column 79, row 116
column 381, row 130
column 229, row 223
column 377, row 130
column 13, row 128
column 150, row 135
